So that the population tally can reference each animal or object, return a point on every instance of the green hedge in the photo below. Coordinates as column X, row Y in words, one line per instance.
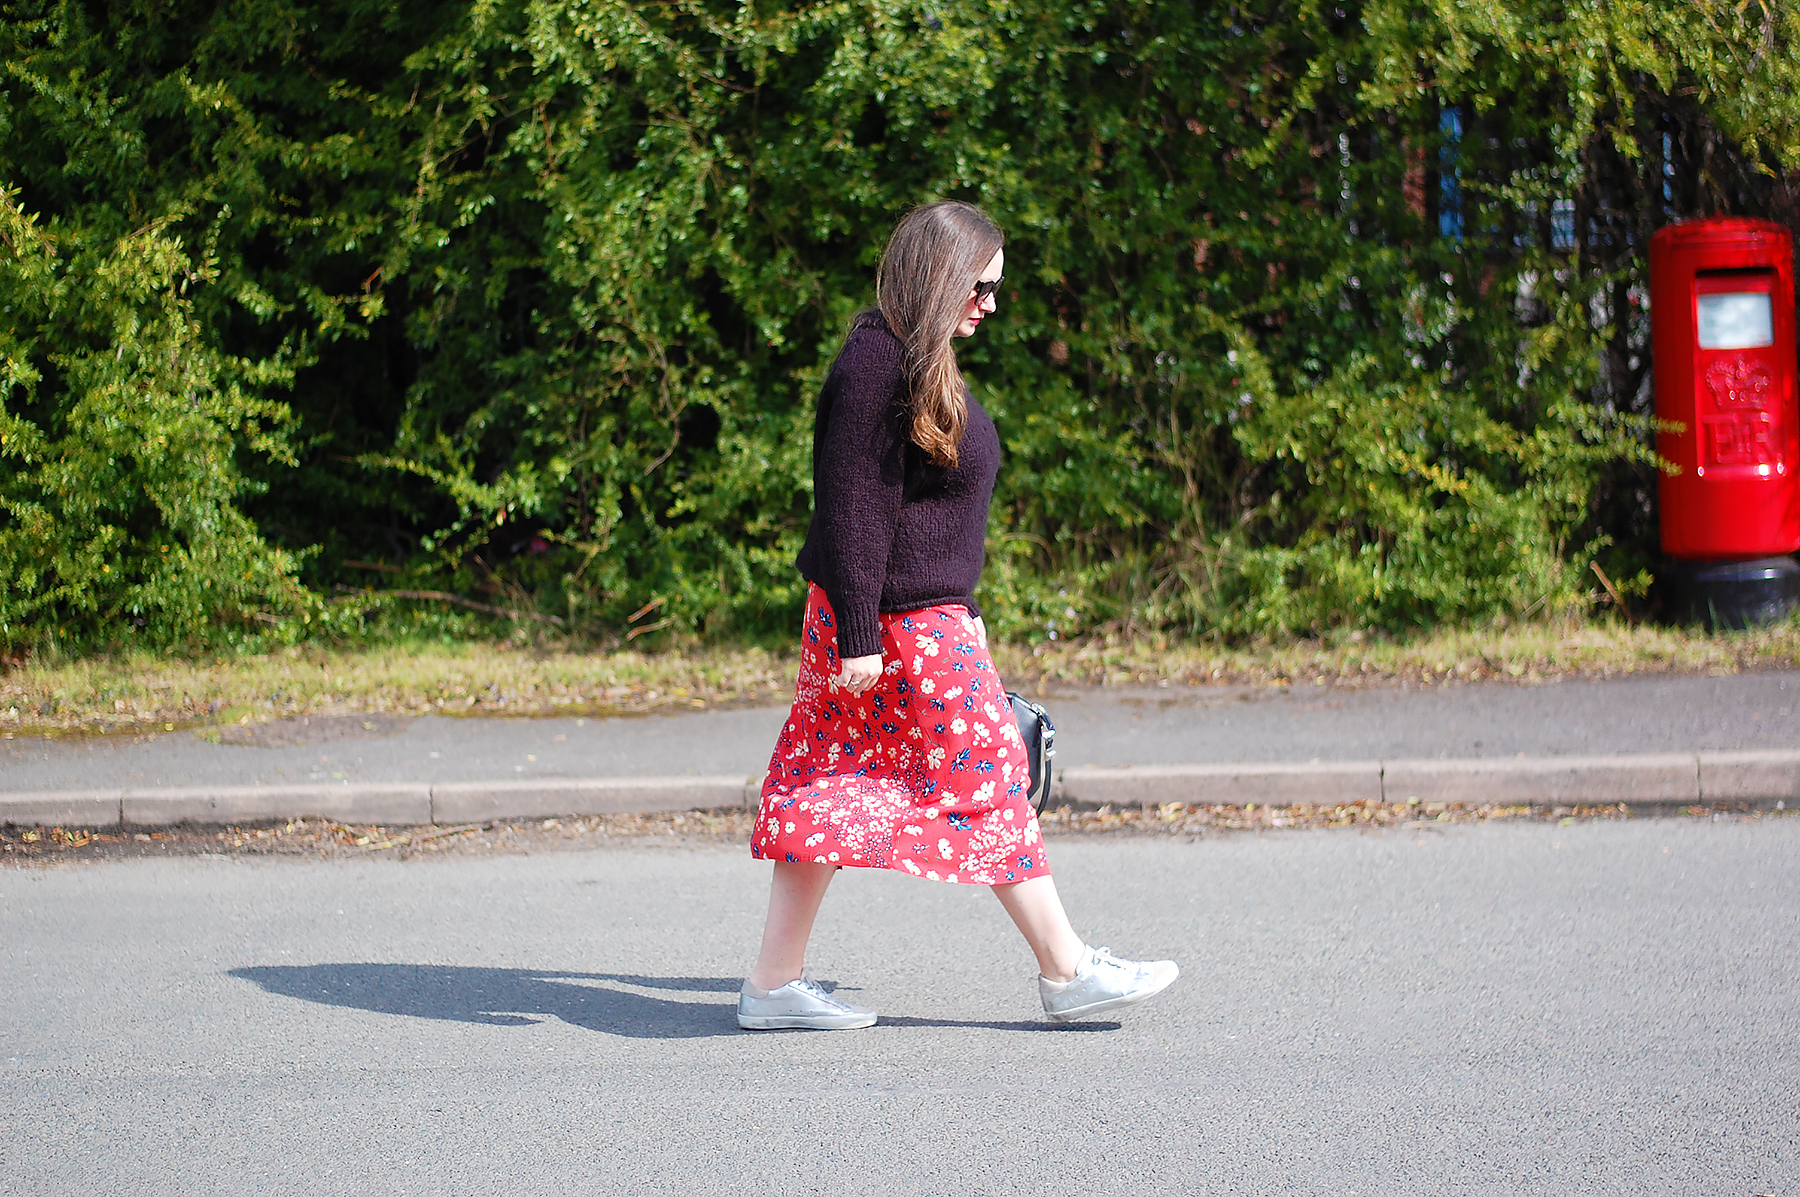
column 1316, row 316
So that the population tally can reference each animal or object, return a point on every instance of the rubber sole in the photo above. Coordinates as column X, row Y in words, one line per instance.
column 805, row 1022
column 1129, row 999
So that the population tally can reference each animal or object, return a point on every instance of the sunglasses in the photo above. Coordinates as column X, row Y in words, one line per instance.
column 983, row 290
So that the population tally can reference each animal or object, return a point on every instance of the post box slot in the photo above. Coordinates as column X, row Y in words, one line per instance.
column 1734, row 309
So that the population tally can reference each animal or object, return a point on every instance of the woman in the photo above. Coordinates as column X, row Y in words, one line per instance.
column 901, row 751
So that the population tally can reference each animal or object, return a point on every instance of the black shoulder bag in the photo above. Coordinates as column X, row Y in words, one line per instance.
column 1040, row 745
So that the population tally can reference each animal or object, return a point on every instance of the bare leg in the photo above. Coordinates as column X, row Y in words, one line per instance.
column 1038, row 913
column 794, row 898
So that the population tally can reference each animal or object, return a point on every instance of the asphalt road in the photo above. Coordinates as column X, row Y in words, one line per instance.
column 1493, row 1009
column 1112, row 726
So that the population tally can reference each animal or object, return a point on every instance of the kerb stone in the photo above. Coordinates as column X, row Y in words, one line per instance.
column 1228, row 785
column 361, row 803
column 1571, row 780
column 68, row 808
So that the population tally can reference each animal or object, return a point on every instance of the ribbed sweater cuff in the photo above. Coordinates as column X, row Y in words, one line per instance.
column 859, row 636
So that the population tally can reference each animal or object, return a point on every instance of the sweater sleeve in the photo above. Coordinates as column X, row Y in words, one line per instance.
column 860, row 481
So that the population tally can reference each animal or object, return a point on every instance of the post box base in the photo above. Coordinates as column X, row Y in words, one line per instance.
column 1737, row 594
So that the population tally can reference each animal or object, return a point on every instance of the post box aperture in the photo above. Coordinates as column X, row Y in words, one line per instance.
column 1736, row 319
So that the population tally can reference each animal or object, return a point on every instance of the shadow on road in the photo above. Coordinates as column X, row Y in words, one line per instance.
column 516, row 997
column 510, row 997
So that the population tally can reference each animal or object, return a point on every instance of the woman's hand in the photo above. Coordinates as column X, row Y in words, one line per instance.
column 859, row 673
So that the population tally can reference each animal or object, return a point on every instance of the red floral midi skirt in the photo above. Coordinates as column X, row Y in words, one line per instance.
column 924, row 771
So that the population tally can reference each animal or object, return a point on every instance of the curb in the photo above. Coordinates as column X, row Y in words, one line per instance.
column 1660, row 779
column 388, row 804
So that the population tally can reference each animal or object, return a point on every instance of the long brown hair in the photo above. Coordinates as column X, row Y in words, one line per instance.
column 922, row 287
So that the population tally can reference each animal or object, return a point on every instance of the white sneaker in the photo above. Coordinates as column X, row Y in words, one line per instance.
column 799, row 1005
column 1104, row 982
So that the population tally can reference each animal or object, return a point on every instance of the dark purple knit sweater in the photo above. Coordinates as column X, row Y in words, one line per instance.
column 890, row 530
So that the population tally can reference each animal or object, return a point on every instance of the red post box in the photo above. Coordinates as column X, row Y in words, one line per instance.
column 1722, row 326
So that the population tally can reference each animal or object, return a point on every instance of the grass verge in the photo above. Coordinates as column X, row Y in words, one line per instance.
column 149, row 693
column 1522, row 653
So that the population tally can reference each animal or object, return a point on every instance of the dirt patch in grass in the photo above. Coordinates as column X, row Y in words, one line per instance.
column 323, row 839
column 313, row 729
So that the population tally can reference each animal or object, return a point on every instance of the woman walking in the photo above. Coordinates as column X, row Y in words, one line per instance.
column 901, row 751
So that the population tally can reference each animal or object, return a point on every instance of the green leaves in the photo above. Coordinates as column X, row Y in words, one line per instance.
column 1320, row 315
column 119, row 488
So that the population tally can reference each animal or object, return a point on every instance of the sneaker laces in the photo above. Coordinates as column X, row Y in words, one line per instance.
column 1104, row 958
column 809, row 986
